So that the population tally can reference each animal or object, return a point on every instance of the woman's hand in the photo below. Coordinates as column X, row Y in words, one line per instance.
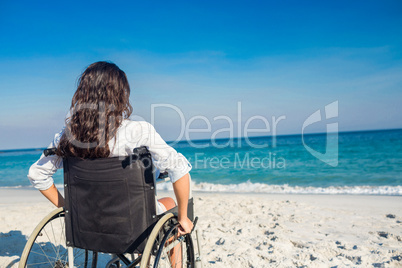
column 186, row 225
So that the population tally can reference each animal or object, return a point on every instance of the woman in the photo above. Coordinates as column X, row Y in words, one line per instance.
column 99, row 127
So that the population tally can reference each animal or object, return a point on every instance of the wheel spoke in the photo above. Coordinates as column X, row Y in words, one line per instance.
column 44, row 253
column 54, row 236
column 38, row 263
column 50, row 241
column 175, row 251
column 61, row 234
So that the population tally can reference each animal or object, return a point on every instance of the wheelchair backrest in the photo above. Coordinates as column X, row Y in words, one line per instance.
column 109, row 202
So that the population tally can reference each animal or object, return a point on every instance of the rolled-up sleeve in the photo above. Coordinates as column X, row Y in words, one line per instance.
column 165, row 158
column 41, row 172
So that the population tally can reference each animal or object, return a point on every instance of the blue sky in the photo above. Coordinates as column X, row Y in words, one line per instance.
column 275, row 57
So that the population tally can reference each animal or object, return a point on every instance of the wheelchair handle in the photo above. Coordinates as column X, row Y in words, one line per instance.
column 49, row 151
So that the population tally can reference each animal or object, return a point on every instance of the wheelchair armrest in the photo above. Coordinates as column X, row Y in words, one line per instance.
column 190, row 210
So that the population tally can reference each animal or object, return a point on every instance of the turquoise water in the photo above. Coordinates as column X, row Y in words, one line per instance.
column 368, row 163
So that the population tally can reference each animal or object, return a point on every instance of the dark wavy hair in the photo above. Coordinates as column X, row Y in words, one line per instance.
column 98, row 108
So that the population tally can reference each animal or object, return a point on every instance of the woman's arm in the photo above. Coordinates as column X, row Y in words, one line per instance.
column 182, row 191
column 54, row 196
column 41, row 172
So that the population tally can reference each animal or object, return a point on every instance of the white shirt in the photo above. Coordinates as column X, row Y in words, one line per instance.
column 130, row 135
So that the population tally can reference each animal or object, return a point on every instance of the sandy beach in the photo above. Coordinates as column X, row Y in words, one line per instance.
column 256, row 230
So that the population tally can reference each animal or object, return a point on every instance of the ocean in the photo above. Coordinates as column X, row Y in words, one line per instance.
column 366, row 162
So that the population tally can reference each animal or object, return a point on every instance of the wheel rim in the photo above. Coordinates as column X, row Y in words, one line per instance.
column 174, row 251
column 49, row 247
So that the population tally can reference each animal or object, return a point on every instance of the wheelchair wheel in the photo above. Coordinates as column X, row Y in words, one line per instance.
column 165, row 248
column 46, row 247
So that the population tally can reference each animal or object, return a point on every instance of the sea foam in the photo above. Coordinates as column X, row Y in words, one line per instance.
column 249, row 187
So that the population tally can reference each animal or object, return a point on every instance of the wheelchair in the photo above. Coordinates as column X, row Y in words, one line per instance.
column 110, row 220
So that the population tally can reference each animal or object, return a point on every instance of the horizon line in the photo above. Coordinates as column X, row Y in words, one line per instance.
column 252, row 137
column 297, row 134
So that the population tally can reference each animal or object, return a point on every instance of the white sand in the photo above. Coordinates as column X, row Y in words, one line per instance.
column 257, row 230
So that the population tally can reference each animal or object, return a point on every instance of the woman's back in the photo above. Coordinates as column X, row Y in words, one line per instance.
column 98, row 127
